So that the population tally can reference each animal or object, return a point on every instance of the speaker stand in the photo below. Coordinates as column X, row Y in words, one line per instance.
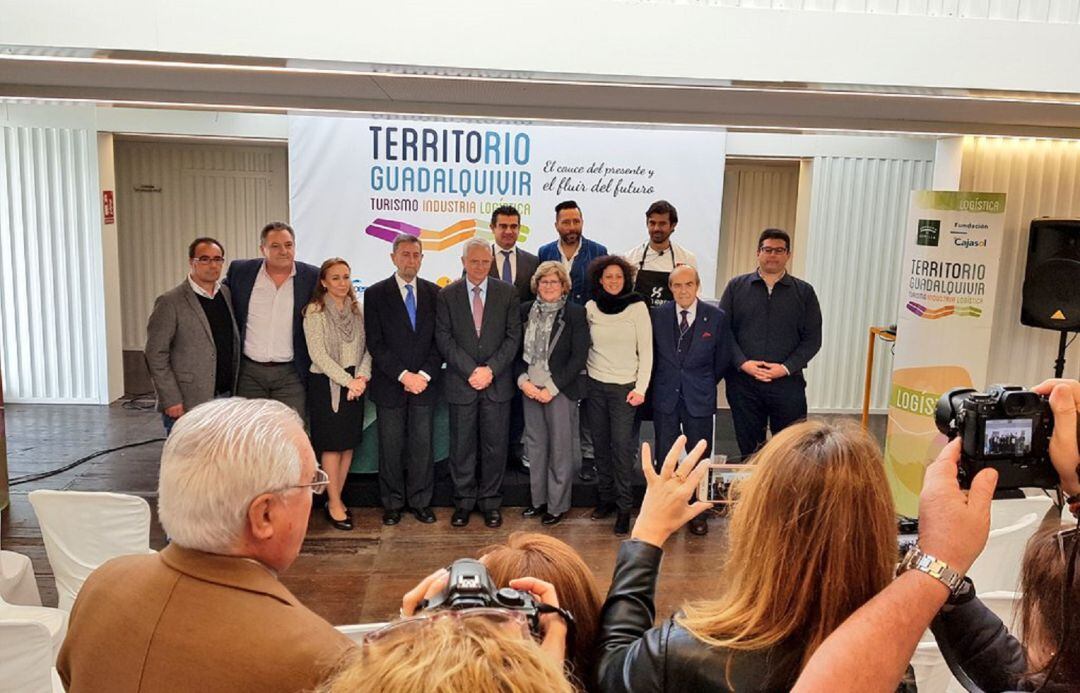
column 1059, row 363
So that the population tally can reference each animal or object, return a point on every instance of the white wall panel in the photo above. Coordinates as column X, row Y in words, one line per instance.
column 52, row 309
column 1045, row 11
column 854, row 251
column 170, row 193
column 1039, row 178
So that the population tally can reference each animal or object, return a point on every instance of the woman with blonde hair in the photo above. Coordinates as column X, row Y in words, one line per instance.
column 547, row 558
column 811, row 538
column 340, row 370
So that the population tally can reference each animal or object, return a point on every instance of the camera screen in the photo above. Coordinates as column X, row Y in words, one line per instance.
column 716, row 485
column 1007, row 437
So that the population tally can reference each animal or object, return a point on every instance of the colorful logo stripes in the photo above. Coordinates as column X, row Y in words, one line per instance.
column 430, row 239
column 944, row 311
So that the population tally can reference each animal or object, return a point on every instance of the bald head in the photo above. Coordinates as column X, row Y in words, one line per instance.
column 684, row 283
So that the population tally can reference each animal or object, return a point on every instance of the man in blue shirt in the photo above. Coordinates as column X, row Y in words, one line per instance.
column 776, row 321
column 573, row 250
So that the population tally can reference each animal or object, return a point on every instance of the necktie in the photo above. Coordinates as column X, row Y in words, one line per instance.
column 683, row 324
column 477, row 309
column 410, row 305
column 507, row 272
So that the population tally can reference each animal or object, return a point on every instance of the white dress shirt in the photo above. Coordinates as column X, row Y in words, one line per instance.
column 568, row 264
column 500, row 258
column 199, row 291
column 690, row 313
column 269, row 336
column 401, row 283
column 644, row 257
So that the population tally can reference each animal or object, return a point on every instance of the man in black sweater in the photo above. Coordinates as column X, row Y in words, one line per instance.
column 776, row 321
column 192, row 341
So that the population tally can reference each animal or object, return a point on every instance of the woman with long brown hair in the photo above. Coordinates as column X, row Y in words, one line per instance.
column 547, row 558
column 811, row 538
column 340, row 370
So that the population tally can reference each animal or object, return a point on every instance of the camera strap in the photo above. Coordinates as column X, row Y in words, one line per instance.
column 568, row 619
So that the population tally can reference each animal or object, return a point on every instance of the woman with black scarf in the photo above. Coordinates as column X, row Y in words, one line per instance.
column 619, row 367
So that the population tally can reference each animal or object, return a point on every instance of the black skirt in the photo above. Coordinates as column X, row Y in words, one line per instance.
column 330, row 431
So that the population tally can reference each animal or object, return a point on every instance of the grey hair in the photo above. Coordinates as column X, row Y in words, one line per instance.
column 682, row 266
column 474, row 243
column 218, row 458
column 551, row 267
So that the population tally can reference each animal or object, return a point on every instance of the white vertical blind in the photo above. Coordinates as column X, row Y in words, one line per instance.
column 171, row 193
column 1039, row 178
column 51, row 283
column 857, row 213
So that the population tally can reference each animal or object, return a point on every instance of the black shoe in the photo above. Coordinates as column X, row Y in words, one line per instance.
column 603, row 511
column 424, row 515
column 460, row 518
column 549, row 519
column 345, row 524
column 348, row 512
column 699, row 525
column 391, row 517
column 493, row 518
column 588, row 471
column 622, row 523
column 533, row 511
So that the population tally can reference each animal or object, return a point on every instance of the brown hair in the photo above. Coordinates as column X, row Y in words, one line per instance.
column 318, row 297
column 530, row 554
column 812, row 538
column 449, row 655
column 1042, row 578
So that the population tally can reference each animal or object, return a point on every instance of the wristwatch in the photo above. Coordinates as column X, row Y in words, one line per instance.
column 915, row 559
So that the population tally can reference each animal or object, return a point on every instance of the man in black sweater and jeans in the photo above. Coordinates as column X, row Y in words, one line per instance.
column 776, row 321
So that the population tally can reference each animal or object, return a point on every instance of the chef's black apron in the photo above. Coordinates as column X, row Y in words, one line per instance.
column 653, row 284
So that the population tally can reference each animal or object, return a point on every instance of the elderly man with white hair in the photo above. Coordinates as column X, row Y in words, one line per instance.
column 478, row 332
column 208, row 613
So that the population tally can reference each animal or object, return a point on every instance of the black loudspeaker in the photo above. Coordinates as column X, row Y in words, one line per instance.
column 1052, row 278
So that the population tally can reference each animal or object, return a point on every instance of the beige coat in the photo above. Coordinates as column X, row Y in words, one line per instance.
column 185, row 620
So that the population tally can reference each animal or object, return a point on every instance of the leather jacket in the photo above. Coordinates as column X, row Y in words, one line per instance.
column 984, row 649
column 635, row 656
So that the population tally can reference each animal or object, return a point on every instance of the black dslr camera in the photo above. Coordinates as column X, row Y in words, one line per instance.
column 1007, row 428
column 471, row 587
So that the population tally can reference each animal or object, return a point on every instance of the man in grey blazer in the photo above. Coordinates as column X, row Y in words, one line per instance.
column 478, row 332
column 192, row 342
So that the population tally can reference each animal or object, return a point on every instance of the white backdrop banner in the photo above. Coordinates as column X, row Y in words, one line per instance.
column 356, row 183
column 952, row 250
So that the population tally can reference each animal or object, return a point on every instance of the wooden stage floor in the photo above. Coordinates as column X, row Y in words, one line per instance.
column 347, row 577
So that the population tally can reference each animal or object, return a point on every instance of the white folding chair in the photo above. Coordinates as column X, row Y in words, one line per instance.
column 1004, row 605
column 1009, row 511
column 26, row 659
column 357, row 631
column 18, row 584
column 932, row 674
column 998, row 566
column 82, row 530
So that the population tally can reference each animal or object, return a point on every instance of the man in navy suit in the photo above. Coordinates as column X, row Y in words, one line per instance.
column 692, row 351
column 269, row 296
column 399, row 324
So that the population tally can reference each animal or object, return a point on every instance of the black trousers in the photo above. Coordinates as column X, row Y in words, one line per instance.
column 613, row 423
column 406, row 464
column 478, row 441
column 669, row 426
column 755, row 405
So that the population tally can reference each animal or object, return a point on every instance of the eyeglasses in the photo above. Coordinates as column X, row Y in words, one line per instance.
column 318, row 483
column 550, row 282
column 772, row 251
column 207, row 260
column 508, row 617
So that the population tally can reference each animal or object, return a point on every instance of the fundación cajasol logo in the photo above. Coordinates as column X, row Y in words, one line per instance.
column 929, row 232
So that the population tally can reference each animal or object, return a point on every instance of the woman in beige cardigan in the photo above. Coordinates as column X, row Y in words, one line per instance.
column 340, row 369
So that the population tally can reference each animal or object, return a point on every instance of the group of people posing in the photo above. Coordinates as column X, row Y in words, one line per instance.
column 518, row 347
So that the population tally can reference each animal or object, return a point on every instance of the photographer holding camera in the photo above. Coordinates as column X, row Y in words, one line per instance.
column 457, row 632
column 872, row 648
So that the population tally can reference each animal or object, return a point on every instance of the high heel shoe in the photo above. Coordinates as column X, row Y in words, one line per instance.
column 345, row 524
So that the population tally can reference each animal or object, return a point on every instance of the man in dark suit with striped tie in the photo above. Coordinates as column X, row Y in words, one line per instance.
column 399, row 323
column 691, row 351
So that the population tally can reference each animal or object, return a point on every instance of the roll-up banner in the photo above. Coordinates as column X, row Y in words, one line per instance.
column 952, row 249
column 356, row 183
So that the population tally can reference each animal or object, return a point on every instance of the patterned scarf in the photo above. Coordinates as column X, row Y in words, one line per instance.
column 538, row 332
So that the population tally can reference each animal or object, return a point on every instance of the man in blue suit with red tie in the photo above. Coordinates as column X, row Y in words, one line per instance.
column 692, row 351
